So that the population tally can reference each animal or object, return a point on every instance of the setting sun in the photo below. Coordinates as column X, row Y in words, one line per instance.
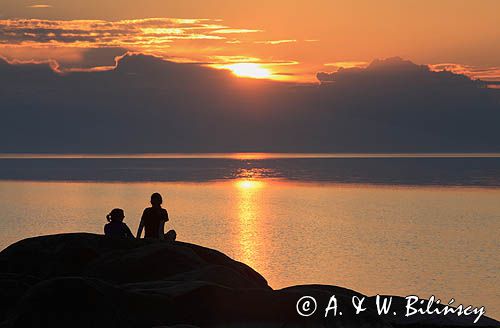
column 252, row 70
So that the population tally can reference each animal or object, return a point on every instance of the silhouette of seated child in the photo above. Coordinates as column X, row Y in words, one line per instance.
column 116, row 228
column 153, row 221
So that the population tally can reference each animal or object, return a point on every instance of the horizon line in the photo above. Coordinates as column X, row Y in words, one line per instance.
column 247, row 155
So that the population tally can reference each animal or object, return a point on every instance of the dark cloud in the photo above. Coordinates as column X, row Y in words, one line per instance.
column 147, row 104
column 94, row 57
column 394, row 71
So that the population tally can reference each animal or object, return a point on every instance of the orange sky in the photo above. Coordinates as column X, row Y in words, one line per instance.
column 292, row 39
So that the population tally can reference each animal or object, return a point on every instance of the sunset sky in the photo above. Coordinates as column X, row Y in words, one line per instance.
column 286, row 40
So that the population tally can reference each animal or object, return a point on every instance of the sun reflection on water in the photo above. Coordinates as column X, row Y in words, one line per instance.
column 249, row 184
column 249, row 213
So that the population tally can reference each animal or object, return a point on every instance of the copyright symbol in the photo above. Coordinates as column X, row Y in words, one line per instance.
column 306, row 306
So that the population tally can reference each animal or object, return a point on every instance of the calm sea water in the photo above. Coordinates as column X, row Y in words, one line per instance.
column 394, row 224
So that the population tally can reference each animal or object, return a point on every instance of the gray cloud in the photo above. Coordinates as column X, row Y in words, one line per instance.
column 147, row 104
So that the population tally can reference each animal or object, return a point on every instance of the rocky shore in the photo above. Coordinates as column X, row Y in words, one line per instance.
column 87, row 280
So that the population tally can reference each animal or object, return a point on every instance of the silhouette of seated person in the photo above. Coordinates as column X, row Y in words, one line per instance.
column 115, row 227
column 153, row 221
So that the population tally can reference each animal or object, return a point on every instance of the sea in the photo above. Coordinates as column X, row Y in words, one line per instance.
column 392, row 224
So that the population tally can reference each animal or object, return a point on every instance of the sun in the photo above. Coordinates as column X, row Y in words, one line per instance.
column 252, row 70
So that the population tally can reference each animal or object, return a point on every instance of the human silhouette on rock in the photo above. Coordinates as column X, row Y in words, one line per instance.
column 153, row 220
column 115, row 227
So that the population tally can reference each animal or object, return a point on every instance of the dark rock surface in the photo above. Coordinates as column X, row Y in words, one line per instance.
column 86, row 280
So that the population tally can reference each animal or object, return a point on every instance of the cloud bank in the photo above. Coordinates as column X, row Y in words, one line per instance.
column 195, row 40
column 146, row 104
column 151, row 32
column 72, row 42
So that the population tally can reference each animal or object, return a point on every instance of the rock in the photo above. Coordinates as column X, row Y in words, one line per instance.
column 118, row 261
column 12, row 288
column 86, row 280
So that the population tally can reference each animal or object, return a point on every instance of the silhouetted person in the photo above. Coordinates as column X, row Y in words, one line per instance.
column 153, row 219
column 116, row 228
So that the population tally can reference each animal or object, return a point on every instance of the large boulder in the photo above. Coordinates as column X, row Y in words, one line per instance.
column 123, row 261
column 86, row 280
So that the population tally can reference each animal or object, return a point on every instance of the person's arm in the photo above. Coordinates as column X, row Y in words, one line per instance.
column 161, row 231
column 141, row 225
column 128, row 233
column 139, row 230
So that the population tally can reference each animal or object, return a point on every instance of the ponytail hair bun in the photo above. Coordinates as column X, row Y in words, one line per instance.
column 115, row 214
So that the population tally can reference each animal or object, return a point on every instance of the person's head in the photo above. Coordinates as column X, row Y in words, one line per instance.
column 156, row 199
column 115, row 215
